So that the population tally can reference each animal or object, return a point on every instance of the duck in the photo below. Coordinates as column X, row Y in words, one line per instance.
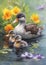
column 27, row 31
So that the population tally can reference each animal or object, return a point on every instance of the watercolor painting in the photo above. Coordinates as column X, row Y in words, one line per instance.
column 22, row 32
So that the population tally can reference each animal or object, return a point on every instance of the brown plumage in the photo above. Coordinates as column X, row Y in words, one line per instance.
column 19, row 42
column 33, row 28
column 6, row 41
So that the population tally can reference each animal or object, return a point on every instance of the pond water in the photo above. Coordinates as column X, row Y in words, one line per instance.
column 9, row 59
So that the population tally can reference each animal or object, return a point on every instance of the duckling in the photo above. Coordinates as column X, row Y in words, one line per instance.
column 8, row 39
column 25, row 30
column 11, row 39
column 19, row 44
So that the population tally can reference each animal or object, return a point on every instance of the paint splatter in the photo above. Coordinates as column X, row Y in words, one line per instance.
column 32, row 56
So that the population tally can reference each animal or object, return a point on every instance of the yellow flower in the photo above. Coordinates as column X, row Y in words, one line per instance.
column 8, row 27
column 35, row 18
column 15, row 10
column 7, row 14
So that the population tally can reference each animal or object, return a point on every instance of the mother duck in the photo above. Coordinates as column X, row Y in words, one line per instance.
column 27, row 31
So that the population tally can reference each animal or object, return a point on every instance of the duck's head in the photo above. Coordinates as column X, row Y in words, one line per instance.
column 20, row 18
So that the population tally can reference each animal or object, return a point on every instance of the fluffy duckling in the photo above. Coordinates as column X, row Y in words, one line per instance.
column 19, row 44
column 11, row 39
column 8, row 39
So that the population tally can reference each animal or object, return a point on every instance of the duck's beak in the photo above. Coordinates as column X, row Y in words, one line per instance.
column 15, row 21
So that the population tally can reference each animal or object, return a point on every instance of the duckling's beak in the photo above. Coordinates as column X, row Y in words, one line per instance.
column 15, row 21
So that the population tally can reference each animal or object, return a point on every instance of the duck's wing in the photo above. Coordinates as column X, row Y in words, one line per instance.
column 29, row 35
column 27, row 27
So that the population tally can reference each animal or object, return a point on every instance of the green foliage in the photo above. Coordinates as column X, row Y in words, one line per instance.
column 11, row 4
column 34, row 48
